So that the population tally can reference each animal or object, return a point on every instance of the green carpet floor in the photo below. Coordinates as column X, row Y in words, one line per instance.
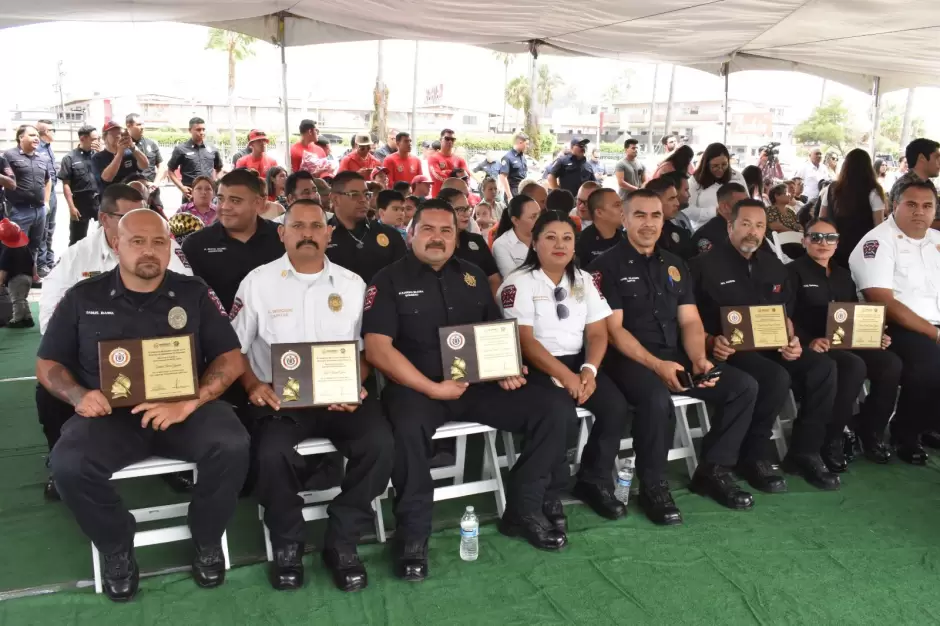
column 865, row 555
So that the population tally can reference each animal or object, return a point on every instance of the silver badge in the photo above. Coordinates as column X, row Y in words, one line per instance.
column 177, row 317
column 675, row 237
column 473, row 246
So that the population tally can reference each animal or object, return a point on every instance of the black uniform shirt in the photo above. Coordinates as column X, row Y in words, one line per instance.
column 103, row 159
column 381, row 245
column 77, row 168
column 591, row 244
column 223, row 261
column 31, row 174
column 193, row 161
column 571, row 172
column 813, row 290
column 472, row 247
column 102, row 309
column 648, row 289
column 154, row 158
column 677, row 240
column 515, row 168
column 713, row 232
column 16, row 261
column 408, row 301
column 723, row 277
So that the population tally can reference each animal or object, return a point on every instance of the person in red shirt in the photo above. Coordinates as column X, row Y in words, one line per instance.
column 258, row 159
column 361, row 160
column 442, row 163
column 307, row 143
column 401, row 165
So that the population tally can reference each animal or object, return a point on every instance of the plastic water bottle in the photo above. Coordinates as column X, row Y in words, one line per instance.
column 624, row 481
column 469, row 536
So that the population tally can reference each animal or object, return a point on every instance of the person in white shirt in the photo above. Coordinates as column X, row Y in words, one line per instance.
column 713, row 171
column 812, row 172
column 514, row 234
column 89, row 257
column 898, row 264
column 563, row 334
column 302, row 297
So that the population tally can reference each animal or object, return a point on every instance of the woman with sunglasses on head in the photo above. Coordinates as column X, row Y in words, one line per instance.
column 514, row 234
column 817, row 281
column 713, row 171
column 563, row 334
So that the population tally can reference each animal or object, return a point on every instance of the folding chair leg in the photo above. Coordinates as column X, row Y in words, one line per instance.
column 493, row 459
column 228, row 560
column 780, row 439
column 96, row 563
column 268, row 548
column 685, row 439
column 510, row 447
column 460, row 459
column 379, row 519
column 583, row 433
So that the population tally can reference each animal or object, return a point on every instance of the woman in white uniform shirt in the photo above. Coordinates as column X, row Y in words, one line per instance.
column 713, row 171
column 515, row 233
column 564, row 337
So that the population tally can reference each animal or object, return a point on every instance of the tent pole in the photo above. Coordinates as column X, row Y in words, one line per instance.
column 876, row 114
column 532, row 121
column 414, row 97
column 726, row 69
column 283, row 45
column 649, row 139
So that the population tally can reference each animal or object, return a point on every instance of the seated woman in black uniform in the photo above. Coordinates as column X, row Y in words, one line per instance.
column 557, row 305
column 817, row 281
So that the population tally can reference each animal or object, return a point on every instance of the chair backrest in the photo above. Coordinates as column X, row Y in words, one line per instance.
column 786, row 237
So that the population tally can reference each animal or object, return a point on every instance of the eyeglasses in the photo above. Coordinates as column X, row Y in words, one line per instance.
column 560, row 309
column 830, row 238
column 462, row 210
column 355, row 195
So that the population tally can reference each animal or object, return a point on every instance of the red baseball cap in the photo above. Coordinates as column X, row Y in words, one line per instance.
column 420, row 178
column 380, row 168
column 110, row 125
column 257, row 135
column 11, row 236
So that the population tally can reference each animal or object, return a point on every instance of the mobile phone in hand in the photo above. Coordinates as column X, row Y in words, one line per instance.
column 685, row 379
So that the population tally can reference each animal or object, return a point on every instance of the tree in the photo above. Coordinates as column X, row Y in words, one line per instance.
column 829, row 125
column 379, row 126
column 545, row 86
column 890, row 129
column 517, row 94
column 238, row 47
column 506, row 59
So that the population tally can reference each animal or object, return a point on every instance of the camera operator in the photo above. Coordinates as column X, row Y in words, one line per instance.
column 769, row 164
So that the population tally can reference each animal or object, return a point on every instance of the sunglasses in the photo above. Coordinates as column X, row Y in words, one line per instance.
column 449, row 139
column 560, row 309
column 830, row 238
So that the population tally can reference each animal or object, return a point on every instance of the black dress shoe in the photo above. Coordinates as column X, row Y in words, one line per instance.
column 555, row 514
column 717, row 483
column 876, row 448
column 50, row 492
column 601, row 499
column 181, row 482
column 411, row 562
column 209, row 566
column 535, row 529
column 931, row 439
column 812, row 469
column 909, row 449
column 120, row 576
column 349, row 574
column 287, row 570
column 658, row 504
column 833, row 454
column 762, row 476
column 850, row 447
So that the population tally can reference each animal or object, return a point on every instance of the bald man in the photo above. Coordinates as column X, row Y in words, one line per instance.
column 116, row 423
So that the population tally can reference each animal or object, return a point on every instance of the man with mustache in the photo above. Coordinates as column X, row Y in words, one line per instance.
column 141, row 299
column 303, row 297
column 405, row 305
column 738, row 272
column 656, row 335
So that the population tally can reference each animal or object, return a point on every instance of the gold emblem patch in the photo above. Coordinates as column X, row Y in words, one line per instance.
column 382, row 239
column 470, row 279
column 674, row 273
column 336, row 302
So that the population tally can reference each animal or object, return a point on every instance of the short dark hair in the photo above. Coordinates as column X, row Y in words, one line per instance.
column 401, row 136
column 659, row 185
column 445, row 131
column 402, row 187
column 115, row 192
column 21, row 130
column 86, row 130
column 916, row 184
column 134, row 178
column 195, row 121
column 596, row 198
column 559, row 200
column 323, row 142
column 307, row 125
column 630, row 142
column 918, row 147
column 414, row 200
column 637, row 194
column 302, row 202
column 743, row 204
column 131, row 118
column 245, row 178
column 434, row 204
column 449, row 194
column 666, row 138
column 818, row 220
column 386, row 197
column 435, row 145
column 728, row 189
column 776, row 191
column 340, row 180
column 290, row 185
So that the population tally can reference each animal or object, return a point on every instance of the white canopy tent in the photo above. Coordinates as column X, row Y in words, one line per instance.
column 871, row 46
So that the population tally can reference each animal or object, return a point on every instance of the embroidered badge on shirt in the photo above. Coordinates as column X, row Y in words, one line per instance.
column 596, row 276
column 474, row 246
column 675, row 237
column 870, row 248
column 381, row 239
column 508, row 296
column 674, row 273
column 370, row 297
column 776, row 288
column 470, row 279
column 237, row 305
column 182, row 258
column 177, row 318
column 217, row 302
column 704, row 245
column 336, row 302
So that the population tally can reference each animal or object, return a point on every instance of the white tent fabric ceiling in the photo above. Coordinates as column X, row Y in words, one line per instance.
column 850, row 41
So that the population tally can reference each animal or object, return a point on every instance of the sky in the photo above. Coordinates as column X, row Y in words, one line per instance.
column 173, row 61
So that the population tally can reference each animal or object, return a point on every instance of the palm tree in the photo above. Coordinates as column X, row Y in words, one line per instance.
column 517, row 94
column 380, row 98
column 545, row 86
column 238, row 47
column 505, row 58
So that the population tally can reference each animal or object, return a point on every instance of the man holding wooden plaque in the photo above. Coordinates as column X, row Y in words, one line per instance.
column 142, row 353
column 405, row 306
column 743, row 292
column 298, row 320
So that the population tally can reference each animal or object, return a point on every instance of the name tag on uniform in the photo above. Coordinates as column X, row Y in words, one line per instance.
column 274, row 313
column 411, row 294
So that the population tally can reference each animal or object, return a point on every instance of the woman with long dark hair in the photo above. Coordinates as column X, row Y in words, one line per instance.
column 754, row 183
column 679, row 161
column 855, row 203
column 514, row 233
column 713, row 171
column 557, row 306
column 816, row 281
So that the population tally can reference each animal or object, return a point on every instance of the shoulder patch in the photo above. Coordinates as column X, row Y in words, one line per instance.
column 182, row 257
column 370, row 297
column 597, row 277
column 508, row 296
column 237, row 305
column 870, row 248
column 217, row 302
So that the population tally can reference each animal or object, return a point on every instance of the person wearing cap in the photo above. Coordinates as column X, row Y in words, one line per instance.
column 120, row 157
column 79, row 186
column 361, row 160
column 421, row 186
column 402, row 165
column 572, row 170
column 194, row 158
column 308, row 143
column 380, row 176
column 513, row 168
column 258, row 160
column 444, row 162
column 16, row 273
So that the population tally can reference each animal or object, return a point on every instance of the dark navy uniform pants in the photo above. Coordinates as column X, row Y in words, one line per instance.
column 917, row 404
column 883, row 369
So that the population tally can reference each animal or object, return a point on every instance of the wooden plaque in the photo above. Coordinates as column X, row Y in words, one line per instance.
column 759, row 327
column 855, row 325
column 316, row 374
column 158, row 369
column 481, row 352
